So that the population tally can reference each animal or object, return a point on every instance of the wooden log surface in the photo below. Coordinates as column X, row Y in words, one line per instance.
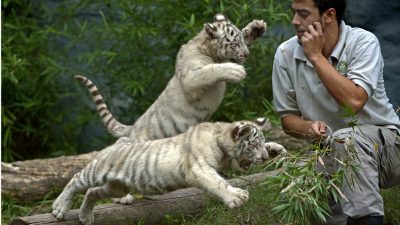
column 152, row 210
column 33, row 180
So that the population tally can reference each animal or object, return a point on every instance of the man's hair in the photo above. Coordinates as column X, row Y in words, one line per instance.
column 338, row 5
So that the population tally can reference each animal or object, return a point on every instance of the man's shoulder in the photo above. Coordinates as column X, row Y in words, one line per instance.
column 290, row 43
column 287, row 48
column 357, row 34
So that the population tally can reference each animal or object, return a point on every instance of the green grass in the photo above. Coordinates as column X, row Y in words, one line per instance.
column 391, row 198
column 256, row 211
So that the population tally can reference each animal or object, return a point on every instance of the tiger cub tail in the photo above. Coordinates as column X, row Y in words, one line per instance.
column 116, row 128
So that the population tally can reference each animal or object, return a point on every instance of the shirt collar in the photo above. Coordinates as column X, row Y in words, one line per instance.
column 299, row 53
column 337, row 51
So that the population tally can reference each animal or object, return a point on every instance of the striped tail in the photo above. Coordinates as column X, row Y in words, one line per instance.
column 113, row 126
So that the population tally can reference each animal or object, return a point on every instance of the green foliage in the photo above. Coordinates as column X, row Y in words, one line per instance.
column 30, row 93
column 11, row 209
column 306, row 184
column 256, row 211
column 391, row 205
column 304, row 190
column 128, row 49
column 350, row 115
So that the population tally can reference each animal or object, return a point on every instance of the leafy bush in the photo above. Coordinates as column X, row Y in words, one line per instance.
column 30, row 90
column 128, row 49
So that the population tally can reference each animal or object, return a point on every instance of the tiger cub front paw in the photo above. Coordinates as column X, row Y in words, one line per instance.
column 236, row 197
column 254, row 30
column 232, row 72
column 274, row 149
column 60, row 206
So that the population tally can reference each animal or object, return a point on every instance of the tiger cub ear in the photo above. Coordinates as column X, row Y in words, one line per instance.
column 211, row 30
column 241, row 131
column 263, row 123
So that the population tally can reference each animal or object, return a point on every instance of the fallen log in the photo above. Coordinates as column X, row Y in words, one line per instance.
column 152, row 210
column 33, row 180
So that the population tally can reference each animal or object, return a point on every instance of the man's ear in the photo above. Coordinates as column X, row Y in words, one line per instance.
column 241, row 131
column 330, row 15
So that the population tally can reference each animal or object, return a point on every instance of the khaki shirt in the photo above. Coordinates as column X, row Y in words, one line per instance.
column 297, row 88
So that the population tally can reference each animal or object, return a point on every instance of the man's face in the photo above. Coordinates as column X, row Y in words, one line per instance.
column 304, row 13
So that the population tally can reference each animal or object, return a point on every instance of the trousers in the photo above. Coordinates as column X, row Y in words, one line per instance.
column 378, row 159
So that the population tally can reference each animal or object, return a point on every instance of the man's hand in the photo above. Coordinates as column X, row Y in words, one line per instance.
column 313, row 41
column 318, row 130
column 298, row 127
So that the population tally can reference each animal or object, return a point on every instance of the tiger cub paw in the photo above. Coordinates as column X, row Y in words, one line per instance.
column 274, row 149
column 60, row 206
column 126, row 200
column 254, row 30
column 86, row 218
column 236, row 197
column 232, row 72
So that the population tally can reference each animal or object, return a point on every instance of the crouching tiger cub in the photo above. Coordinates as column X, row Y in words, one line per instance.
column 191, row 159
column 203, row 67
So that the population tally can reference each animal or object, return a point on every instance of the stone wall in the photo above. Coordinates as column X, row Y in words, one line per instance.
column 383, row 19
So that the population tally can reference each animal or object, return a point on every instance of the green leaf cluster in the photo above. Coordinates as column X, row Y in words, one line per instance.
column 30, row 90
column 306, row 184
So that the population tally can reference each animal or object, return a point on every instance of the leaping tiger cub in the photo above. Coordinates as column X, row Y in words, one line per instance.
column 203, row 67
column 190, row 159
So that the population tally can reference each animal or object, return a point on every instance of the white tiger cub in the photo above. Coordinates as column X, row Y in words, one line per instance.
column 203, row 67
column 190, row 159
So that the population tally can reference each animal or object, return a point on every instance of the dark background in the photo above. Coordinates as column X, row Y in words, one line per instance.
column 383, row 19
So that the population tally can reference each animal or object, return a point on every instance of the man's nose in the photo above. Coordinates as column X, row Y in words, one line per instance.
column 295, row 20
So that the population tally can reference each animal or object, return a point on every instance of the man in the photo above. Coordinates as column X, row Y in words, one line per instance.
column 325, row 68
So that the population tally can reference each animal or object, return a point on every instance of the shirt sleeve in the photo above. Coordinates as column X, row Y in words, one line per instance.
column 284, row 95
column 366, row 63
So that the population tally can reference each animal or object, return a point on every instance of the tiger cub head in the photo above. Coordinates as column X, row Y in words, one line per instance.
column 249, row 142
column 225, row 41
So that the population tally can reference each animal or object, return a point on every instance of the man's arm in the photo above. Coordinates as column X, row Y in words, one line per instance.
column 285, row 103
column 298, row 127
column 343, row 90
